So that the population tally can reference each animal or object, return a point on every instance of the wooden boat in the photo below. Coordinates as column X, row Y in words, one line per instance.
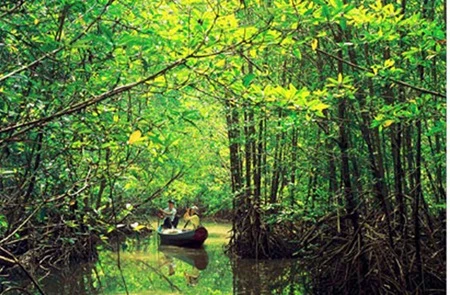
column 183, row 237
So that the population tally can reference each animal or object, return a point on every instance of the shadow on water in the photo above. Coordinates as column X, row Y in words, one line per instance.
column 149, row 268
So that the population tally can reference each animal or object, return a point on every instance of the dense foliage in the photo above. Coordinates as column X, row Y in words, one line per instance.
column 290, row 117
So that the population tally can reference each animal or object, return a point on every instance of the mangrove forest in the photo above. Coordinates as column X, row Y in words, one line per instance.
column 223, row 147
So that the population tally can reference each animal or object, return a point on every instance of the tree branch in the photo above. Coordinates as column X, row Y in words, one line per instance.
column 390, row 79
column 16, row 261
column 51, row 53
column 155, row 194
column 12, row 10
column 86, row 103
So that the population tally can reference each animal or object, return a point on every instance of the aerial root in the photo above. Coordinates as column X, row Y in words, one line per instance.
column 342, row 260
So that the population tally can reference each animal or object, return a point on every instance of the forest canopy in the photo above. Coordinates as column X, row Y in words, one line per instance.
column 286, row 117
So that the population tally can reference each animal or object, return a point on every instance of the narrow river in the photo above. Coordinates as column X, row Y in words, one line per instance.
column 147, row 268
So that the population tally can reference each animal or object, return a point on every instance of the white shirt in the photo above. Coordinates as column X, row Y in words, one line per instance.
column 171, row 213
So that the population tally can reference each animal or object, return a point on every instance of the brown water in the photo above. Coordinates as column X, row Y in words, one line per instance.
column 148, row 268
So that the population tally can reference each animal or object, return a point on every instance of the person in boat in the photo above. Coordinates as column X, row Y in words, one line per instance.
column 191, row 216
column 170, row 215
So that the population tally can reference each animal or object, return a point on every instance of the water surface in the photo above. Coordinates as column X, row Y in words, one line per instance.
column 142, row 266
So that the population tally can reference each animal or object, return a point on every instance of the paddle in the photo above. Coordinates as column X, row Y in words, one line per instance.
column 187, row 222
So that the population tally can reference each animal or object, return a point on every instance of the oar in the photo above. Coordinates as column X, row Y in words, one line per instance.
column 187, row 222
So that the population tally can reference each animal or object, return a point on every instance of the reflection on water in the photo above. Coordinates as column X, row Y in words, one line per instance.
column 80, row 279
column 148, row 268
column 197, row 258
column 268, row 277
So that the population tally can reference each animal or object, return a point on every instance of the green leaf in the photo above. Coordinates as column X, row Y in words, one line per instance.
column 71, row 223
column 343, row 23
column 325, row 11
column 320, row 106
column 297, row 53
column 3, row 221
column 388, row 63
column 247, row 80
column 314, row 44
column 135, row 137
column 388, row 123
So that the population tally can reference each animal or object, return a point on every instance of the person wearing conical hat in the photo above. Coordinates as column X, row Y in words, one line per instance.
column 191, row 216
